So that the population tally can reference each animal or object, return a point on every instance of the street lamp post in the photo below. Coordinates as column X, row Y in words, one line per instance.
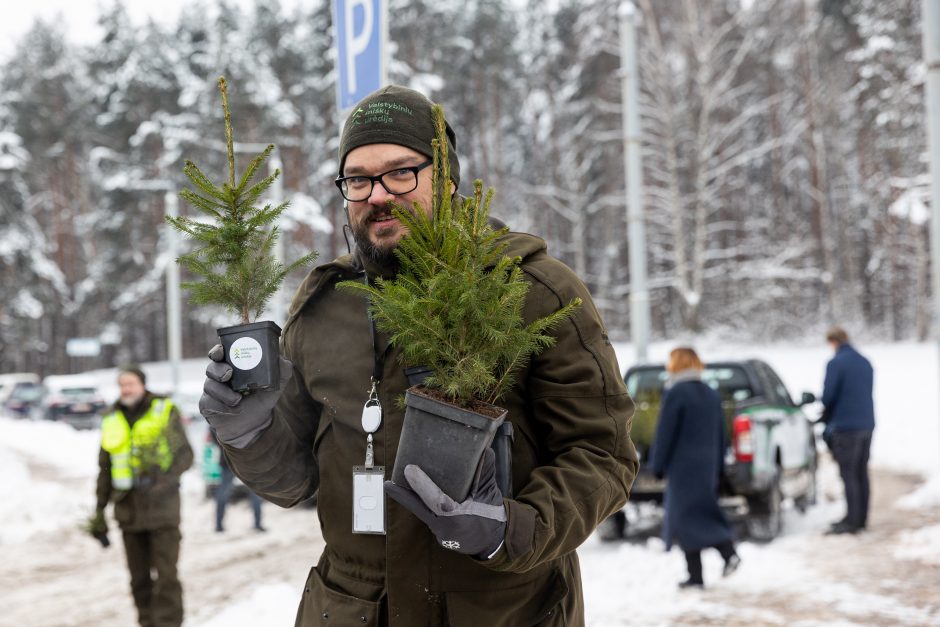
column 636, row 229
column 173, row 308
column 931, row 17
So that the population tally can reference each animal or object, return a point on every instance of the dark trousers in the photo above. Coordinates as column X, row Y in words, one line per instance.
column 159, row 599
column 851, row 450
column 693, row 559
column 222, row 494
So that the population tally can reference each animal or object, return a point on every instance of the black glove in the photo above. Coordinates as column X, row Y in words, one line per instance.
column 823, row 417
column 238, row 420
column 97, row 527
column 477, row 526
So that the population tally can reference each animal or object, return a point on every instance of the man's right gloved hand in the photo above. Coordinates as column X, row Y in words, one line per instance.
column 97, row 528
column 238, row 420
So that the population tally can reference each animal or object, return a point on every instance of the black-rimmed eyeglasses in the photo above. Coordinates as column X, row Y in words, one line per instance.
column 398, row 181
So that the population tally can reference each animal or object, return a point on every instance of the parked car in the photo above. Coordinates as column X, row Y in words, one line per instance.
column 74, row 400
column 771, row 452
column 20, row 394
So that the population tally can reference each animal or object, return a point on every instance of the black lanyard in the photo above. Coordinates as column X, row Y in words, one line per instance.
column 378, row 366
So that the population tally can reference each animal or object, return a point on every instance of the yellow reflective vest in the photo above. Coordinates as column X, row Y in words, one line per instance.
column 137, row 448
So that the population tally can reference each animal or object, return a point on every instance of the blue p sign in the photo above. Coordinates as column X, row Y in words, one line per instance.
column 360, row 27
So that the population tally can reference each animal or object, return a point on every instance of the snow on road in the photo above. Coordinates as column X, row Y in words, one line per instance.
column 51, row 574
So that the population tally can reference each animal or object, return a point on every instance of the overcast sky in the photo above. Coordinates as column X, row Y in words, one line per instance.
column 16, row 16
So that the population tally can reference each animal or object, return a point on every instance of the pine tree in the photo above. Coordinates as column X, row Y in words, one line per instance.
column 235, row 260
column 456, row 303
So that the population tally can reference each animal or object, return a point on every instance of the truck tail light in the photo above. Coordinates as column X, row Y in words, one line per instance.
column 743, row 440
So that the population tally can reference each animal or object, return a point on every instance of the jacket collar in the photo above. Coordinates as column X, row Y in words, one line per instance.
column 134, row 412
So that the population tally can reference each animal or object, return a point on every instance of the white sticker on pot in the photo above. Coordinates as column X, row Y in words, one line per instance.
column 245, row 353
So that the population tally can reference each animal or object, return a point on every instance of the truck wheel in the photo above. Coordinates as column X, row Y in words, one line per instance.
column 765, row 518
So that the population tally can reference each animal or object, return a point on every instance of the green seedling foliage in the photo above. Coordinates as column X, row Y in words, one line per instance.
column 456, row 304
column 234, row 248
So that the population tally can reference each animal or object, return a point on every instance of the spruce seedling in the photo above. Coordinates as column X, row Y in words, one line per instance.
column 456, row 303
column 234, row 256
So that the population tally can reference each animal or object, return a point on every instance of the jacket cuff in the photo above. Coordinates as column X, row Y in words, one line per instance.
column 520, row 529
column 520, row 536
column 263, row 442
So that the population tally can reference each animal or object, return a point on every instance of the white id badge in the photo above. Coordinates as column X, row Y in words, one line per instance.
column 368, row 500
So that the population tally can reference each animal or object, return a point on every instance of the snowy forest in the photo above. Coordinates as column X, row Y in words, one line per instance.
column 785, row 174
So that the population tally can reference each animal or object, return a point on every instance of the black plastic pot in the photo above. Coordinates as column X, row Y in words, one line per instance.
column 252, row 351
column 446, row 441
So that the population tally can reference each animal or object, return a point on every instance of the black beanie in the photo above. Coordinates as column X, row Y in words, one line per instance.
column 395, row 115
column 135, row 370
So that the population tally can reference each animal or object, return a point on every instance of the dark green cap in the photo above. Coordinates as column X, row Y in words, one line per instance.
column 395, row 115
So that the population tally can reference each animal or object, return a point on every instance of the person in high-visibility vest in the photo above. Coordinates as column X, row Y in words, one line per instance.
column 144, row 451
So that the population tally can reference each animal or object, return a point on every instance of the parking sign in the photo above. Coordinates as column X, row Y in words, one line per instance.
column 360, row 27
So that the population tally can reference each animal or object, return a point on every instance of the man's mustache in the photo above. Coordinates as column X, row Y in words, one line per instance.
column 387, row 210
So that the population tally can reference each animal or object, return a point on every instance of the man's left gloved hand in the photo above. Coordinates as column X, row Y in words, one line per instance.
column 476, row 527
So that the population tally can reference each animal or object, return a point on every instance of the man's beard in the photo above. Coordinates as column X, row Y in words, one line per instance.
column 132, row 401
column 382, row 257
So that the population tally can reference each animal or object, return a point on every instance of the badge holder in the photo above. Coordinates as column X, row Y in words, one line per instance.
column 368, row 515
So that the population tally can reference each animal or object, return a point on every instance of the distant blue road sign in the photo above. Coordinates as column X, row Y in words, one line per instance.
column 361, row 27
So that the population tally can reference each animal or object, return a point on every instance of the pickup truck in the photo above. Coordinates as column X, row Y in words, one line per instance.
column 771, row 453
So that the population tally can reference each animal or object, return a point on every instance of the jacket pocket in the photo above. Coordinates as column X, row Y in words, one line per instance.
column 536, row 604
column 323, row 605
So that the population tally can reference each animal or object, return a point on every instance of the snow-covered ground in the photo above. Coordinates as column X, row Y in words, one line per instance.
column 51, row 574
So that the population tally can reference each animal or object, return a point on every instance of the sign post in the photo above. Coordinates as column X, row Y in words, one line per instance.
column 361, row 29
column 931, row 17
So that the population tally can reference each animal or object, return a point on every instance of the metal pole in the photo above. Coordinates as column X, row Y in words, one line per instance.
column 174, row 320
column 931, row 17
column 278, row 308
column 636, row 229
column 383, row 44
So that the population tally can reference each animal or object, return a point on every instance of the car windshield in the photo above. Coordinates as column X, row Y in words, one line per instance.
column 730, row 382
column 26, row 392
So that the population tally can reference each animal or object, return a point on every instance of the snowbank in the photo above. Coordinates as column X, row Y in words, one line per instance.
column 274, row 604
column 40, row 463
column 922, row 545
column 928, row 495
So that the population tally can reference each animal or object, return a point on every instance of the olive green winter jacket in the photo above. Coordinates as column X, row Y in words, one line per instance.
column 157, row 503
column 573, row 463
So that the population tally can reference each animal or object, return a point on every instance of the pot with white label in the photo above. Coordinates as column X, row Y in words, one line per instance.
column 252, row 351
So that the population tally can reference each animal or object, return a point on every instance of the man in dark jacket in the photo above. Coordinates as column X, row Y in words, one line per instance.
column 572, row 458
column 850, row 419
column 144, row 451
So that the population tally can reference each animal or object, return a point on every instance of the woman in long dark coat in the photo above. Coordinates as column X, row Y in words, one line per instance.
column 689, row 451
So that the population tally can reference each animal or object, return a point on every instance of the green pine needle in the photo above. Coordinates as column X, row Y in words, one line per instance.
column 234, row 252
column 456, row 304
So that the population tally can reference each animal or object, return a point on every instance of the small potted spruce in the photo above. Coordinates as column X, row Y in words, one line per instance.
column 235, row 260
column 455, row 307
